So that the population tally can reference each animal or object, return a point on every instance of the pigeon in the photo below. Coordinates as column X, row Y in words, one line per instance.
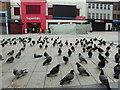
column 46, row 54
column 18, row 55
column 67, row 78
column 61, row 45
column 59, row 51
column 66, row 42
column 117, row 71
column 102, row 58
column 46, row 46
column 22, row 49
column 40, row 46
column 69, row 52
column 82, row 59
column 108, row 48
column 107, row 54
column 71, row 44
column 19, row 73
column 11, row 52
column 54, row 71
column 37, row 56
column 33, row 43
column 100, row 50
column 84, row 49
column 81, row 70
column 117, row 57
column 73, row 48
column 60, row 42
column 10, row 60
column 90, row 53
column 14, row 43
column 104, row 80
column 101, row 64
column 65, row 59
column 1, row 58
column 47, row 61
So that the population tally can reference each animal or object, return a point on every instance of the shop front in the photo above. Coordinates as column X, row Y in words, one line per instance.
column 33, row 16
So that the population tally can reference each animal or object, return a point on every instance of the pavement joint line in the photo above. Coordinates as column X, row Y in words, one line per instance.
column 32, row 73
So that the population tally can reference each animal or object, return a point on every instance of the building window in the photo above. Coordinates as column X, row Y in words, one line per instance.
column 32, row 9
column 101, row 16
column 118, row 17
column 104, row 16
column 108, row 16
column 97, row 15
column 50, row 11
column 16, row 11
column 104, row 6
column 114, row 16
column 119, row 7
column 89, row 5
column 89, row 15
column 108, row 7
column 114, row 7
column 93, row 15
column 93, row 5
column 101, row 6
column 97, row 6
column 77, row 12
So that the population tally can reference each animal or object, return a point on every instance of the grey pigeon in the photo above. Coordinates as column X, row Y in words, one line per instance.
column 67, row 78
column 117, row 71
column 65, row 59
column 104, row 80
column 46, row 54
column 54, row 71
column 18, row 54
column 82, row 70
column 82, row 59
column 1, row 58
column 47, row 61
column 37, row 56
column 11, row 52
column 59, row 51
column 19, row 73
column 10, row 60
column 101, row 64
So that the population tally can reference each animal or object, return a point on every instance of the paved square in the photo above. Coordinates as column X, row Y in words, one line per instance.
column 36, row 77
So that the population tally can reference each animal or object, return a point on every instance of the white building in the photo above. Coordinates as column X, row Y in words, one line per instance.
column 100, row 11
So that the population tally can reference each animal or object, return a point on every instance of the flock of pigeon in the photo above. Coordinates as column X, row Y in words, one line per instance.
column 87, row 45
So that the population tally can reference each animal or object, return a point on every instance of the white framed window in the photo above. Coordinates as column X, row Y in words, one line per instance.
column 100, row 15
column 104, row 16
column 89, row 15
column 97, row 15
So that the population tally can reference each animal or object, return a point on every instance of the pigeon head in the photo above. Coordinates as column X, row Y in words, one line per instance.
column 78, row 64
column 102, row 72
column 58, row 65
column 79, row 54
column 71, row 71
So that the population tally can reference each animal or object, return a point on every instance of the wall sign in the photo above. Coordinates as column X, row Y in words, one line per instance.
column 32, row 18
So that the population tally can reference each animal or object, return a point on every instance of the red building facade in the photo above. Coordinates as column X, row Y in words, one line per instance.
column 33, row 15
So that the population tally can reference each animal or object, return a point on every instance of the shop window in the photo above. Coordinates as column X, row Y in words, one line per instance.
column 108, row 16
column 32, row 9
column 101, row 16
column 16, row 10
column 104, row 16
column 93, row 15
column 96, row 15
column 89, row 15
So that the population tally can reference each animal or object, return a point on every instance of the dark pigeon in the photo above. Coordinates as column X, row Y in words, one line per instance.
column 47, row 61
